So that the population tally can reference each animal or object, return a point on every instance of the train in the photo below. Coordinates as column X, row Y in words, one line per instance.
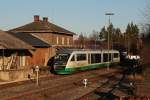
column 69, row 61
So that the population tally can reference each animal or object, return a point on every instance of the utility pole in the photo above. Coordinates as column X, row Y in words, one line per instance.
column 108, row 37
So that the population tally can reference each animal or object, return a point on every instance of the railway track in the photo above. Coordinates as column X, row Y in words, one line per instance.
column 64, row 86
column 120, row 89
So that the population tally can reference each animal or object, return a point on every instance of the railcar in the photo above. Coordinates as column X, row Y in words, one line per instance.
column 71, row 60
column 129, row 60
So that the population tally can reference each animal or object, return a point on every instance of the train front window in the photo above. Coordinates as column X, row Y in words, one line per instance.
column 62, row 57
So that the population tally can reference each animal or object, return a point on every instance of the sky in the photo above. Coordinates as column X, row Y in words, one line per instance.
column 75, row 15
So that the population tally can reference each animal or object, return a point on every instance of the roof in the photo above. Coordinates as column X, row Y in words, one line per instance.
column 8, row 41
column 64, row 50
column 30, row 39
column 41, row 26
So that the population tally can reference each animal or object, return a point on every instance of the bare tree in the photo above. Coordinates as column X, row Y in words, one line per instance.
column 132, row 37
column 146, row 22
column 94, row 40
column 80, row 41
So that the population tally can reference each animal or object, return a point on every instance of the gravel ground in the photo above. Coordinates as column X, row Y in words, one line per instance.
column 66, row 87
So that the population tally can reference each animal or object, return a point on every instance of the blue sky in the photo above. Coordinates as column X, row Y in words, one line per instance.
column 75, row 15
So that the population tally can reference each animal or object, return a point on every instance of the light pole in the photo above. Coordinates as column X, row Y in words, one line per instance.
column 108, row 37
column 37, row 75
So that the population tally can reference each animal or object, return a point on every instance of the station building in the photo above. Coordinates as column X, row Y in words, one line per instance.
column 53, row 37
column 30, row 45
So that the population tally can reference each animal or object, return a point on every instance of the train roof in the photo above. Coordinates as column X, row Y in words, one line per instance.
column 69, row 51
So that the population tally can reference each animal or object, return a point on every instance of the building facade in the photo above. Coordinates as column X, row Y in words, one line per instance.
column 55, row 36
column 30, row 45
column 13, row 54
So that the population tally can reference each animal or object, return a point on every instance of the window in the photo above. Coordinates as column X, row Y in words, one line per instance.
column 57, row 40
column 62, row 57
column 63, row 40
column 22, row 59
column 116, row 55
column 68, row 41
column 105, row 57
column 81, row 57
column 95, row 58
column 110, row 57
column 73, row 58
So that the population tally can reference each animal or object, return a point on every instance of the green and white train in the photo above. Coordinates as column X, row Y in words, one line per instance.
column 69, row 61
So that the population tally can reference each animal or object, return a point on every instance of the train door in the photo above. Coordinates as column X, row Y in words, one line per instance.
column 107, row 57
column 110, row 57
column 95, row 58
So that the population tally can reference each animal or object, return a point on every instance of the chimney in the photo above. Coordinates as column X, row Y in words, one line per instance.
column 45, row 19
column 36, row 18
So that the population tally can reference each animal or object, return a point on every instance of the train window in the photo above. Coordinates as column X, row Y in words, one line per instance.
column 81, row 57
column 73, row 58
column 62, row 57
column 116, row 55
column 105, row 57
column 110, row 57
column 95, row 58
column 89, row 60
